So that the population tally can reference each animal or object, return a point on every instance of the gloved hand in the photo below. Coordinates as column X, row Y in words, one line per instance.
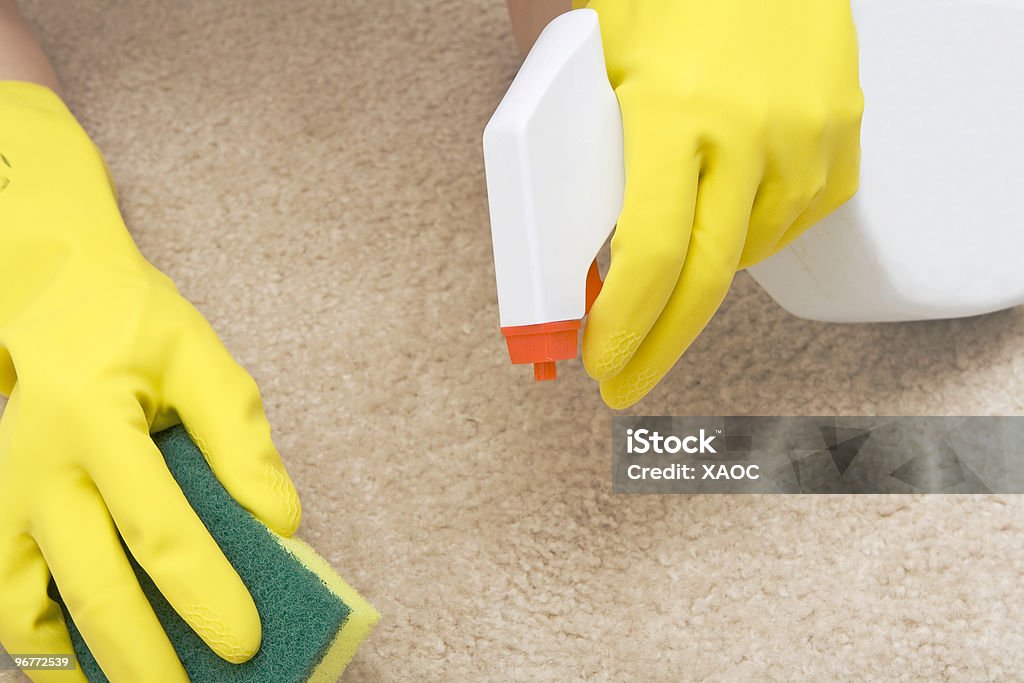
column 742, row 128
column 98, row 349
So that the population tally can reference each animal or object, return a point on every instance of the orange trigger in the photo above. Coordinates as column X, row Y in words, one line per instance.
column 594, row 285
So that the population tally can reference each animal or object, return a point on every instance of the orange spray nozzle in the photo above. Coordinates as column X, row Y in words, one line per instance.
column 544, row 344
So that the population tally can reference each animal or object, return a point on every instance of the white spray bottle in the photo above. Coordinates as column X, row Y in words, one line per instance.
column 935, row 231
column 553, row 157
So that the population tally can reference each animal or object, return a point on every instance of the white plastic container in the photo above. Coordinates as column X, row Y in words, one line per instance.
column 937, row 227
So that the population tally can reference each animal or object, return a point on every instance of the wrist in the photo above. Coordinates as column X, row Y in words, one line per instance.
column 21, row 57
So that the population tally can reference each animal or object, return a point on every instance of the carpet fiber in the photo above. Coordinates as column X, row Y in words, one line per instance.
column 310, row 175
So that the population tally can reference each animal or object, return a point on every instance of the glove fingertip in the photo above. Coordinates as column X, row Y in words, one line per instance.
column 281, row 509
column 604, row 356
column 235, row 636
column 626, row 388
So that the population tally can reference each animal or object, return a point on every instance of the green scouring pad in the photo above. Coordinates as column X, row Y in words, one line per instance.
column 312, row 620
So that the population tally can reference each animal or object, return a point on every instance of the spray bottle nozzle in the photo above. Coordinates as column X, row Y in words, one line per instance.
column 545, row 343
column 545, row 371
column 542, row 345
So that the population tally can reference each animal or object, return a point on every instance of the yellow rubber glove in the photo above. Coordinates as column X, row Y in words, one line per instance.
column 98, row 349
column 742, row 128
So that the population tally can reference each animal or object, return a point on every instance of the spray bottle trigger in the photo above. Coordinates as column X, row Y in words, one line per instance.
column 594, row 284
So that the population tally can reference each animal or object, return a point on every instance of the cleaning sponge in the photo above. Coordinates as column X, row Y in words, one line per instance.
column 312, row 620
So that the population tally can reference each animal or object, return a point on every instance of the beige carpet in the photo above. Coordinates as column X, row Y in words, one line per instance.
column 310, row 175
